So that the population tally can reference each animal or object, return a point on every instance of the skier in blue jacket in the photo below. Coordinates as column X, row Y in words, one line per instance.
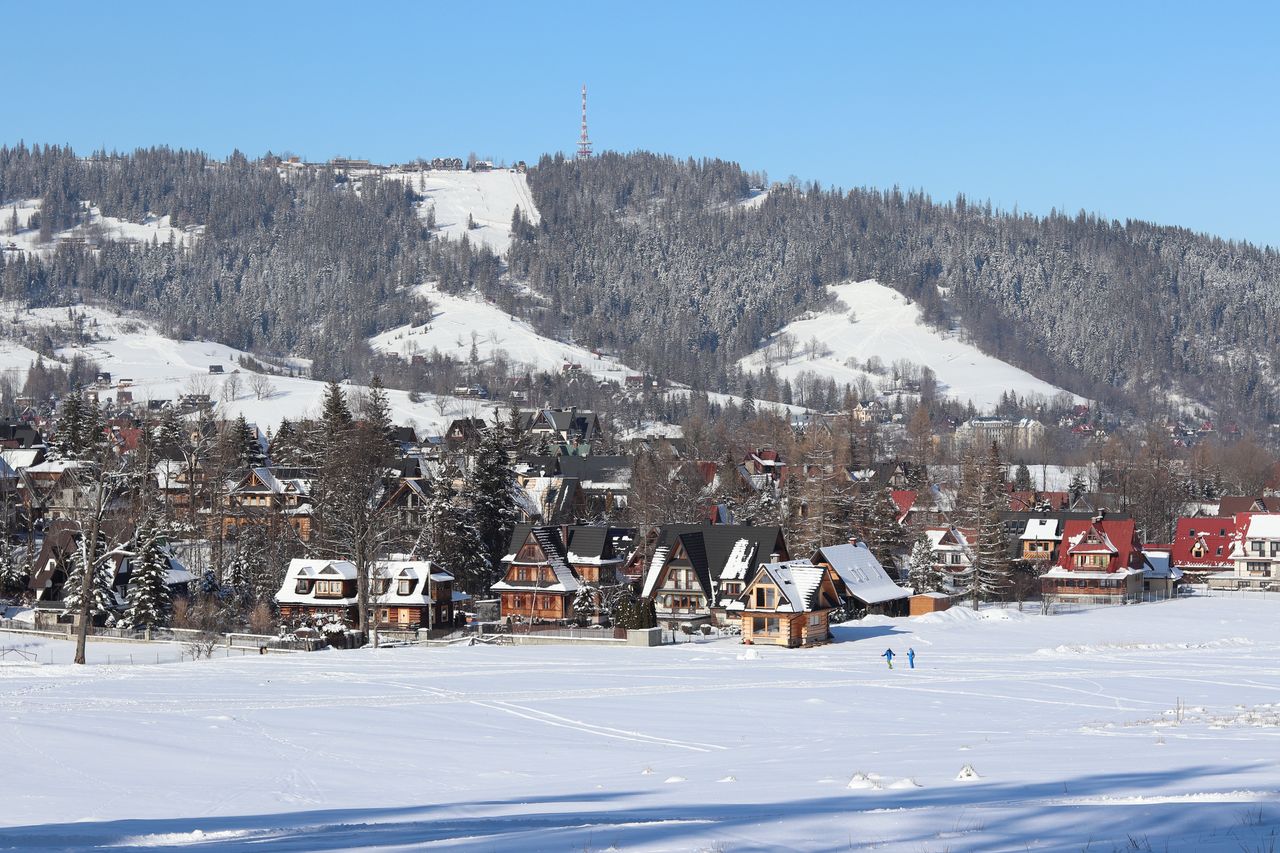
column 911, row 657
column 888, row 656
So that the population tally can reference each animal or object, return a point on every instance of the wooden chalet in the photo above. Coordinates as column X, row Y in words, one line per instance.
column 1100, row 562
column 270, row 497
column 413, row 594
column 697, row 572
column 538, row 583
column 787, row 604
column 319, row 588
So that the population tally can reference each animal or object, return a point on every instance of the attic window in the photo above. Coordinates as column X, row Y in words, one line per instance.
column 765, row 596
column 1198, row 550
column 405, row 586
column 302, row 587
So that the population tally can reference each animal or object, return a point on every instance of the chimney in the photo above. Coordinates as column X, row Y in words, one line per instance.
column 1102, row 514
column 773, row 558
column 853, row 540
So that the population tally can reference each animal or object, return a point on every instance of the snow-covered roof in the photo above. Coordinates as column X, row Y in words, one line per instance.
column 414, row 571
column 861, row 573
column 654, row 571
column 19, row 458
column 314, row 570
column 1159, row 566
column 1263, row 526
column 1041, row 529
column 799, row 582
column 739, row 562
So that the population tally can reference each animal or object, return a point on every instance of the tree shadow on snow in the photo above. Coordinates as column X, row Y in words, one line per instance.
column 1047, row 812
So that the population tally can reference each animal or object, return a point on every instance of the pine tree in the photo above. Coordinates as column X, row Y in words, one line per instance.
column 147, row 599
column 377, row 412
column 102, row 598
column 1022, row 479
column 885, row 536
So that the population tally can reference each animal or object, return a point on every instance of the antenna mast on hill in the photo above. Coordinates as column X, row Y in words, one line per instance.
column 584, row 141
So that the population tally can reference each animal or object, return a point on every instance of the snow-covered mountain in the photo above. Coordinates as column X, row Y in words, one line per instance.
column 870, row 320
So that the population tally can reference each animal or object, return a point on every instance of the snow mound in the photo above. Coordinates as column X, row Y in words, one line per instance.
column 728, row 779
column 749, row 654
column 1110, row 648
column 672, row 780
column 865, row 782
column 904, row 784
column 648, row 771
column 967, row 774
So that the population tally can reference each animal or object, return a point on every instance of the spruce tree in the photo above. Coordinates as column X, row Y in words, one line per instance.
column 1022, row 479
column 922, row 574
column 490, row 491
column 452, row 540
column 12, row 576
column 991, row 570
column 147, row 599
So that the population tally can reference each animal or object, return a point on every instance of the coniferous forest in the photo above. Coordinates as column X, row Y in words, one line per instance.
column 655, row 258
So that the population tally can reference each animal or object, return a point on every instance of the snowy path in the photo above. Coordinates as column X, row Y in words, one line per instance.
column 1069, row 721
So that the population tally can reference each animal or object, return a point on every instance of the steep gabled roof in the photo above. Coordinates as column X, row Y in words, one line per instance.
column 799, row 581
column 860, row 573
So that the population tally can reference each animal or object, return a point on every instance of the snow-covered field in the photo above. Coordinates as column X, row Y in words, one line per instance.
column 161, row 368
column 1070, row 724
column 870, row 319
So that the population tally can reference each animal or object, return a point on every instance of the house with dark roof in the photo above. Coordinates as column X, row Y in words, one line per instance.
column 697, row 573
column 787, row 604
column 1232, row 505
column 571, row 427
column 547, row 566
column 862, row 584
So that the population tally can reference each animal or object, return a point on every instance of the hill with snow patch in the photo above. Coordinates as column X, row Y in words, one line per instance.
column 869, row 319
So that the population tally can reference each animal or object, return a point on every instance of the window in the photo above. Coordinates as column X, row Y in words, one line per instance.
column 765, row 596
column 1258, row 569
column 1198, row 550
column 405, row 586
column 302, row 587
column 815, row 619
column 329, row 589
column 1275, row 547
column 764, row 625
column 1257, row 546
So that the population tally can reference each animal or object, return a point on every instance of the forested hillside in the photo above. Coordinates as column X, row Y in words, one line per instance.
column 299, row 265
column 652, row 256
column 659, row 260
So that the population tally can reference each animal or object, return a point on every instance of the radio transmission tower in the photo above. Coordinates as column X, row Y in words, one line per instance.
column 584, row 141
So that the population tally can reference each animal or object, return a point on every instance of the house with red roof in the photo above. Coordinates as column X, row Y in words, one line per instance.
column 1100, row 561
column 1202, row 546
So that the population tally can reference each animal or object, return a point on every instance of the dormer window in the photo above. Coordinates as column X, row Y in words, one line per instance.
column 1197, row 550
column 405, row 586
column 302, row 587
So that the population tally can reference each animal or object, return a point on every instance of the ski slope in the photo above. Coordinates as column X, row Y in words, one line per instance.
column 161, row 368
column 458, row 321
column 870, row 319
column 489, row 198
column 1070, row 724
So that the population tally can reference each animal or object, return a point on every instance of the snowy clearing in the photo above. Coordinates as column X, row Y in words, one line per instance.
column 489, row 198
column 991, row 744
column 455, row 319
column 161, row 368
column 151, row 229
column 871, row 319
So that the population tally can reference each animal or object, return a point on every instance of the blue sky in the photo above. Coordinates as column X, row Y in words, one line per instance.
column 1160, row 111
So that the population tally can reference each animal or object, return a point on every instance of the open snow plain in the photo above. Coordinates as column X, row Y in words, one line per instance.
column 1070, row 722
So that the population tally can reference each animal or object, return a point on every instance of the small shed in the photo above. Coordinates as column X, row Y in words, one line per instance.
column 930, row 602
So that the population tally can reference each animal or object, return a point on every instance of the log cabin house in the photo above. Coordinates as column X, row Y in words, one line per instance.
column 407, row 594
column 270, row 496
column 538, row 582
column 788, row 604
